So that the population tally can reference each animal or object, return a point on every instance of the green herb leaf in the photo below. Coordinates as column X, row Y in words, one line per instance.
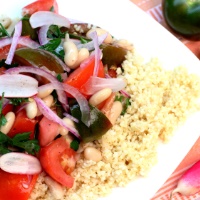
column 59, row 77
column 2, row 117
column 21, row 142
column 52, row 45
column 18, row 101
column 3, row 31
column 125, row 102
column 74, row 145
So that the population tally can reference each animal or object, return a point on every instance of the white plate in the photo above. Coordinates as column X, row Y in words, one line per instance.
column 124, row 20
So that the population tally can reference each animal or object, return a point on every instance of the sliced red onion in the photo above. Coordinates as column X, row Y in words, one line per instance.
column 27, row 184
column 95, row 84
column 26, row 41
column 42, row 34
column 5, row 41
column 16, row 36
column 82, row 101
column 61, row 94
column 51, row 115
column 5, row 102
column 126, row 94
column 20, row 163
column 90, row 45
column 23, row 40
column 97, row 50
column 71, row 117
column 18, row 85
column 42, row 18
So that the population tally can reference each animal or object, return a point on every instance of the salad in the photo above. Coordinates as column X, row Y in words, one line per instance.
column 59, row 88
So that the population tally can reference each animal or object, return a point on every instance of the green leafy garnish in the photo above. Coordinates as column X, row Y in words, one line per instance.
column 2, row 117
column 3, row 31
column 125, row 102
column 18, row 101
column 59, row 77
column 74, row 145
column 21, row 142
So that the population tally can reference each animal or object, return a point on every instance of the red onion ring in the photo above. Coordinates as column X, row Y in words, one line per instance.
column 61, row 94
column 94, row 84
column 42, row 34
column 16, row 36
column 51, row 115
column 42, row 18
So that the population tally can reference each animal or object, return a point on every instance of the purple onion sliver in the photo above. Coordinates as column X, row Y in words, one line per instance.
column 48, row 113
column 16, row 36
column 71, row 117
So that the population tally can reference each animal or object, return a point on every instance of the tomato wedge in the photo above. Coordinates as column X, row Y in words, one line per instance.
column 48, row 130
column 58, row 160
column 16, row 186
column 40, row 5
column 80, row 76
column 23, row 124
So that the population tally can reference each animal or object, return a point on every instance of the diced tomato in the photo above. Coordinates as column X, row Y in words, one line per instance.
column 2, row 70
column 16, row 186
column 40, row 5
column 80, row 76
column 48, row 130
column 22, row 124
column 7, row 109
column 58, row 160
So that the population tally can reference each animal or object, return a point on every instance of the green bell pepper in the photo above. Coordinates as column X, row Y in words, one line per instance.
column 183, row 16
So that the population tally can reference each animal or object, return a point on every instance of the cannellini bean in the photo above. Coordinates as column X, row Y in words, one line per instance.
column 10, row 117
column 101, row 31
column 115, row 111
column 91, row 153
column 55, row 188
column 31, row 109
column 100, row 96
column 71, row 53
column 48, row 100
column 82, row 55
column 64, row 131
column 6, row 22
column 43, row 92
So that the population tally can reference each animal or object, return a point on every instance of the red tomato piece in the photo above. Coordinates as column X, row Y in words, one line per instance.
column 40, row 5
column 80, row 76
column 58, row 160
column 22, row 124
column 48, row 130
column 7, row 109
column 16, row 186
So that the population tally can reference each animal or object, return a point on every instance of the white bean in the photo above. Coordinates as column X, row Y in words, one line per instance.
column 6, row 22
column 82, row 55
column 100, row 96
column 91, row 153
column 67, row 121
column 101, row 31
column 71, row 53
column 31, row 109
column 115, row 111
column 48, row 100
column 44, row 92
column 55, row 188
column 10, row 117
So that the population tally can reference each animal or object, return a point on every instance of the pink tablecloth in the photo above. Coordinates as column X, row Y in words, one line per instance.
column 154, row 9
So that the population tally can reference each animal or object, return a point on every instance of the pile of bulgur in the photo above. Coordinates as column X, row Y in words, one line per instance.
column 160, row 101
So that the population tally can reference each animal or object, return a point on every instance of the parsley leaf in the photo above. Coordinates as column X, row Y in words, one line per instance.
column 125, row 102
column 18, row 101
column 74, row 145
column 2, row 117
column 21, row 142
column 3, row 31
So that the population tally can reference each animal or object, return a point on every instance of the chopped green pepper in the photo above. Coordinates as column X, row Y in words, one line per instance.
column 183, row 16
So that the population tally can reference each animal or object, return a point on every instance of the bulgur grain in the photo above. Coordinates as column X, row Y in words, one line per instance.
column 160, row 101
